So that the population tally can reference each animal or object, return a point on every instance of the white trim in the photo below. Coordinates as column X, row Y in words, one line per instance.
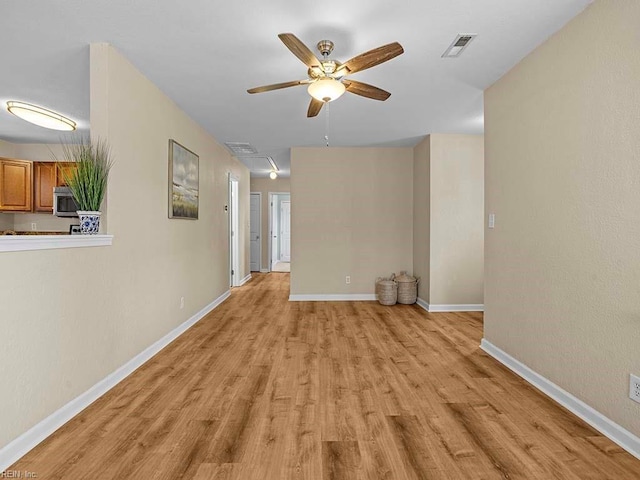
column 604, row 425
column 351, row 297
column 18, row 243
column 19, row 447
column 423, row 303
column 264, row 270
column 234, row 221
column 450, row 308
column 457, row 308
column 245, row 280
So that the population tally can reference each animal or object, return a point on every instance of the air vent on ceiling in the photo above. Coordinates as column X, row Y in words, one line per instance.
column 240, row 149
column 461, row 42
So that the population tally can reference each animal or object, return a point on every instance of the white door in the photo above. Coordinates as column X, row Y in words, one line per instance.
column 256, row 205
column 285, row 231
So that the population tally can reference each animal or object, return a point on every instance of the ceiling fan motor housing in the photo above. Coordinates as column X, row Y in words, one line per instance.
column 325, row 47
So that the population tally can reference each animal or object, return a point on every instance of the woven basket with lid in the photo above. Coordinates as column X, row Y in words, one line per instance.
column 407, row 288
column 387, row 290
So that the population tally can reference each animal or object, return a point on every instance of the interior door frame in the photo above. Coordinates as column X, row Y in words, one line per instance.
column 259, row 230
column 234, row 244
column 270, row 246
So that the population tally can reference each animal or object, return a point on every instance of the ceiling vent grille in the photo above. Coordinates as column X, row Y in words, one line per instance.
column 241, row 149
column 461, row 42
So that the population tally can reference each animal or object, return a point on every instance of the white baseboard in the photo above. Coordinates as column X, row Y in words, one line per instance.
column 457, row 308
column 610, row 429
column 423, row 303
column 352, row 297
column 19, row 447
column 245, row 280
column 450, row 308
column 264, row 270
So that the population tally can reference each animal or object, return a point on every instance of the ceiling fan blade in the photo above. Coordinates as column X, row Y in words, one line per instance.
column 372, row 58
column 300, row 50
column 277, row 86
column 314, row 108
column 366, row 90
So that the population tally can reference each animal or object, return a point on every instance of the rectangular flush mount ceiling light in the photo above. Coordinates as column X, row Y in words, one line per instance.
column 461, row 42
column 273, row 164
column 40, row 116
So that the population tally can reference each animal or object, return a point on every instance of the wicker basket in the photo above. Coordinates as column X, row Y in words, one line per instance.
column 407, row 288
column 387, row 290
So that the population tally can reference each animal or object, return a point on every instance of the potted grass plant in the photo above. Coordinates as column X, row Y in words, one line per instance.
column 88, row 181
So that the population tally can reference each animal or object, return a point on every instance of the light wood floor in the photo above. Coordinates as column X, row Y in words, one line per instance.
column 265, row 389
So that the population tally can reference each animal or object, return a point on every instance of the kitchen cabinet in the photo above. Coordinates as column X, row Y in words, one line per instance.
column 44, row 179
column 15, row 185
column 65, row 170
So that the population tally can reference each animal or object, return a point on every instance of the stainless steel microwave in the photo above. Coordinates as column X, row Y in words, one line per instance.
column 64, row 204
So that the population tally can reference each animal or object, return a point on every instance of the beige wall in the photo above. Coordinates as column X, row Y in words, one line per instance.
column 422, row 215
column 6, row 221
column 7, row 149
column 448, row 235
column 70, row 317
column 457, row 211
column 562, row 170
column 351, row 215
column 264, row 186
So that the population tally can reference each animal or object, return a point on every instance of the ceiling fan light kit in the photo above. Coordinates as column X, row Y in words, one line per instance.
column 326, row 79
column 326, row 89
column 40, row 116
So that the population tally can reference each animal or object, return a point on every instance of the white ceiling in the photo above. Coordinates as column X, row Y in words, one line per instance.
column 205, row 54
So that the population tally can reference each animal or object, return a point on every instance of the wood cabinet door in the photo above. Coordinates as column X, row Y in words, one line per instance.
column 44, row 179
column 65, row 170
column 15, row 185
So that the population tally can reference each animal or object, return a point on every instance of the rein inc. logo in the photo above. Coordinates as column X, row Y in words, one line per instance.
column 18, row 474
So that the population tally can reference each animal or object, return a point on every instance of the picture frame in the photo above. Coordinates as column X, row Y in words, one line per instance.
column 75, row 230
column 184, row 182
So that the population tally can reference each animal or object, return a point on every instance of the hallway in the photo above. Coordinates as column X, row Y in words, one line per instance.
column 267, row 389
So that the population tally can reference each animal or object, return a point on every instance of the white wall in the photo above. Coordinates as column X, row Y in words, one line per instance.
column 71, row 317
column 352, row 214
column 562, row 170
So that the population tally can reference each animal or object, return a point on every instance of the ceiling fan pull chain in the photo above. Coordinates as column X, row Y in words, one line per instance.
column 326, row 123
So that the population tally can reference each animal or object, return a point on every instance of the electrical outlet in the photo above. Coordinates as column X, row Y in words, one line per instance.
column 181, row 303
column 492, row 220
column 634, row 388
column 347, row 279
column 34, row 227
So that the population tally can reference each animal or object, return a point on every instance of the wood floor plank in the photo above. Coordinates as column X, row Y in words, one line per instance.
column 340, row 460
column 267, row 389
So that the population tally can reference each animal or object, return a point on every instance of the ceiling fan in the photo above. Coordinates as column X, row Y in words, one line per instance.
column 327, row 78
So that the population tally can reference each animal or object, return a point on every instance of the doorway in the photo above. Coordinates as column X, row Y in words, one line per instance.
column 234, row 244
column 255, row 226
column 280, row 231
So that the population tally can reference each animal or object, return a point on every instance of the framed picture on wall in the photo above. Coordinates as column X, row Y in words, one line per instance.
column 183, row 182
